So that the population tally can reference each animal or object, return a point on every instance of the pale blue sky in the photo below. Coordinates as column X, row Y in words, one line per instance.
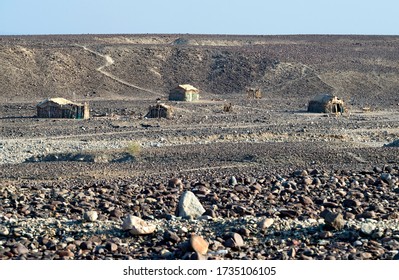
column 199, row 17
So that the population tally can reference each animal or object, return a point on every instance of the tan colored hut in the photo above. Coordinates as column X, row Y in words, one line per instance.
column 326, row 103
column 184, row 93
column 62, row 108
column 160, row 110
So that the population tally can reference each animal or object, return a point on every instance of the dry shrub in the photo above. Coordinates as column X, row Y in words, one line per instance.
column 134, row 148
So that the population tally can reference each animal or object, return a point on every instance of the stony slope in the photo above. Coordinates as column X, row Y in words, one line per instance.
column 361, row 69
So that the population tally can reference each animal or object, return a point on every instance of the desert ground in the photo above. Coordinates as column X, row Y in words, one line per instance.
column 274, row 181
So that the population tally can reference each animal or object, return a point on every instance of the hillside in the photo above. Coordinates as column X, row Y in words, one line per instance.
column 361, row 69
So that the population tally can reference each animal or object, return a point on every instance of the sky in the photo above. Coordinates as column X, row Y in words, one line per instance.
column 245, row 17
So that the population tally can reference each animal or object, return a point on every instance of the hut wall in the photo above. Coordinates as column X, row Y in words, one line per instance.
column 86, row 113
column 159, row 112
column 66, row 111
column 178, row 95
column 325, row 107
column 316, row 107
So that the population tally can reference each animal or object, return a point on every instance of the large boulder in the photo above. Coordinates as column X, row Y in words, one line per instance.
column 190, row 206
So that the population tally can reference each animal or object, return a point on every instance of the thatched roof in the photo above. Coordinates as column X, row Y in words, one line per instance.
column 325, row 98
column 187, row 87
column 59, row 101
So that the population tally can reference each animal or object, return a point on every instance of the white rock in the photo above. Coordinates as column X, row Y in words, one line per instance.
column 137, row 226
column 367, row 228
column 189, row 205
column 90, row 216
column 265, row 223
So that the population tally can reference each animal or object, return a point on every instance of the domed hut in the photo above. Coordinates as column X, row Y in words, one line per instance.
column 160, row 110
column 326, row 103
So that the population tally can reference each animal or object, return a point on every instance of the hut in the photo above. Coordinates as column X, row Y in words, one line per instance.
column 160, row 110
column 254, row 93
column 184, row 93
column 326, row 103
column 62, row 108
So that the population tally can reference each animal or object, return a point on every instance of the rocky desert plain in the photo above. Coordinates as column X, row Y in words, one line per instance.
column 264, row 181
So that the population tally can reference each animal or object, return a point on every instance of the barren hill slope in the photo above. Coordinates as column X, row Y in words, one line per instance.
column 362, row 69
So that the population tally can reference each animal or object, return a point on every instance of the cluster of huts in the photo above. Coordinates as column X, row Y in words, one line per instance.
column 63, row 108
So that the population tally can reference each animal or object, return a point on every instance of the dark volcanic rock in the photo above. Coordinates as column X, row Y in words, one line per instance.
column 334, row 220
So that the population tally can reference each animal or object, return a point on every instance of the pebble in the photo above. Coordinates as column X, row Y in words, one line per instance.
column 90, row 216
column 265, row 223
column 199, row 244
column 171, row 236
column 65, row 254
column 110, row 246
column 234, row 240
column 232, row 181
column 4, row 230
column 357, row 243
column 335, row 220
column 20, row 249
column 367, row 228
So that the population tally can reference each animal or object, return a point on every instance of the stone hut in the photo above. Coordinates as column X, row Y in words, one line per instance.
column 160, row 110
column 326, row 103
column 62, row 108
column 184, row 93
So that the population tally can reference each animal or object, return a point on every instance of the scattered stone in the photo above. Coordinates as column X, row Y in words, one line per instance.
column 86, row 245
column 365, row 255
column 332, row 219
column 351, row 203
column 20, row 249
column 65, row 254
column 198, row 244
column 386, row 177
column 369, row 215
column 117, row 213
column 244, row 231
column 110, row 246
column 357, row 243
column 288, row 213
column 234, row 240
column 137, row 226
column 90, row 216
column 171, row 236
column 367, row 228
column 292, row 252
column 305, row 200
column 326, row 234
column 265, row 223
column 232, row 181
column 349, row 216
column 189, row 205
column 165, row 253
column 175, row 182
column 4, row 230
